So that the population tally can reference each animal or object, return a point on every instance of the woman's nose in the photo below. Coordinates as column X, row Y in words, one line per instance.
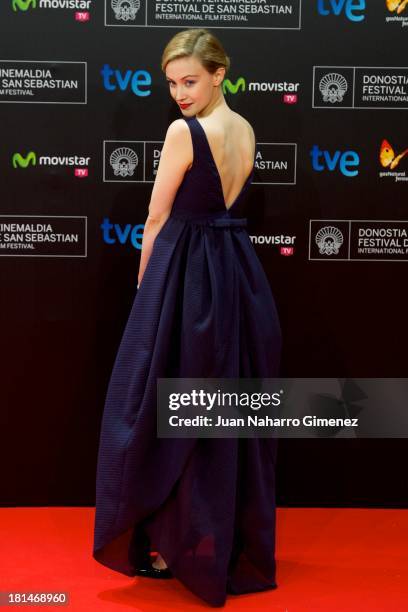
column 180, row 95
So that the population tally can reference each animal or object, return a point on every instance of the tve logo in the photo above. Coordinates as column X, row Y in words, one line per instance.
column 112, row 233
column 351, row 8
column 322, row 160
column 138, row 80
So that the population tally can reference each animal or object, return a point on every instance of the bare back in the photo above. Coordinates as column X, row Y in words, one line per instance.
column 232, row 143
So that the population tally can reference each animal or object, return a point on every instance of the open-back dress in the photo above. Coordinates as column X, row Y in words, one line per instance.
column 204, row 308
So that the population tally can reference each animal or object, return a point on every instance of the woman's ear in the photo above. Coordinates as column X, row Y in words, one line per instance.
column 219, row 75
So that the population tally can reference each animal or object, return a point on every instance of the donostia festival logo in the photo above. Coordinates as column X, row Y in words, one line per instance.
column 30, row 159
column 125, row 10
column 333, row 87
column 329, row 240
column 123, row 161
column 361, row 86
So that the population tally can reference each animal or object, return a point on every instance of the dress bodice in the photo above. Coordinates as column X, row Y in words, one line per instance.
column 200, row 194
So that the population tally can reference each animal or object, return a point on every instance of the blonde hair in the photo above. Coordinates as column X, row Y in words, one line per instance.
column 200, row 43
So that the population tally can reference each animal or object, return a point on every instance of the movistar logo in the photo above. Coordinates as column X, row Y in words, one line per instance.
column 231, row 87
column 24, row 162
column 23, row 5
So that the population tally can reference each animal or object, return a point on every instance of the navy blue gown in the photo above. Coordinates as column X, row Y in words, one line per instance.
column 204, row 308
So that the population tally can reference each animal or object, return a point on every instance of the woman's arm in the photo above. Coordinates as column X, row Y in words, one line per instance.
column 151, row 229
column 175, row 158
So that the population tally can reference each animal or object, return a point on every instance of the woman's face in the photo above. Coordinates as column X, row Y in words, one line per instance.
column 191, row 86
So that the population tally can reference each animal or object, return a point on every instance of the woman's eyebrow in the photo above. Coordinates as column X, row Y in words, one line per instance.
column 184, row 77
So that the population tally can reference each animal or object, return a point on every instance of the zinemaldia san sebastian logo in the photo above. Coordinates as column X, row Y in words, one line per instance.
column 43, row 82
column 358, row 240
column 360, row 87
column 43, row 236
column 178, row 13
column 81, row 8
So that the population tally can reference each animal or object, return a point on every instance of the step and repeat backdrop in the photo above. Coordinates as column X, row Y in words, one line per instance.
column 84, row 110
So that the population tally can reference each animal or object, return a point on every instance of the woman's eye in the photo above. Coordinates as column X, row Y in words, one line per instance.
column 187, row 83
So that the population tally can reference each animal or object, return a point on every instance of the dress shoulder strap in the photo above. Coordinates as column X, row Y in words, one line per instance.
column 199, row 140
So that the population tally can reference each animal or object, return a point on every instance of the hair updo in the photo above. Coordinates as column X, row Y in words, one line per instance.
column 200, row 43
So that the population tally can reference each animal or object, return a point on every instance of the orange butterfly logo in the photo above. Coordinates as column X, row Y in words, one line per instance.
column 388, row 157
column 398, row 5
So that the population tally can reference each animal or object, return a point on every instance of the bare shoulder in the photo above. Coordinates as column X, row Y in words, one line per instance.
column 246, row 126
column 178, row 138
column 177, row 129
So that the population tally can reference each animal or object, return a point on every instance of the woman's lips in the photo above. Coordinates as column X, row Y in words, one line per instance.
column 185, row 105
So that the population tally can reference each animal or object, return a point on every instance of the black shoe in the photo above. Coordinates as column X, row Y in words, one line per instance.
column 149, row 571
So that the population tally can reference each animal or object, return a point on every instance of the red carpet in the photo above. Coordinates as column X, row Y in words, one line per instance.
column 328, row 559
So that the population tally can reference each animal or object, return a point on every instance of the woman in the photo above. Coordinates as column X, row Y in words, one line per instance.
column 204, row 309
